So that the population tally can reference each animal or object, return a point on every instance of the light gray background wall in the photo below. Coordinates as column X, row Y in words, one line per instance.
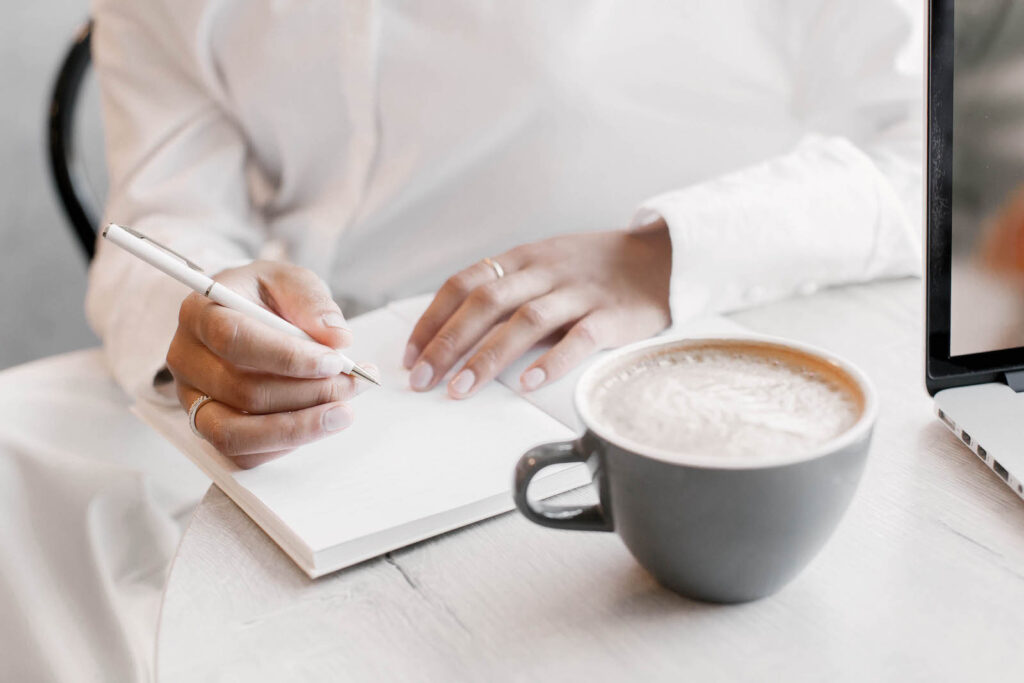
column 42, row 270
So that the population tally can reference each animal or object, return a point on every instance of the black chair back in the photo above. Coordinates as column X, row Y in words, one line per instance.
column 69, row 176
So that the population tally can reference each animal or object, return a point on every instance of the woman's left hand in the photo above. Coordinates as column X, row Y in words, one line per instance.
column 592, row 291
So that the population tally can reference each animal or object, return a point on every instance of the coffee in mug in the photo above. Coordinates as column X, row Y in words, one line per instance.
column 724, row 464
column 724, row 399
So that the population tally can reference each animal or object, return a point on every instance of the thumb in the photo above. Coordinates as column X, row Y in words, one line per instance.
column 303, row 299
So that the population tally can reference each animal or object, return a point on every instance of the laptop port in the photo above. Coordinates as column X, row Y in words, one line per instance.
column 1000, row 470
column 982, row 453
column 947, row 419
column 966, row 437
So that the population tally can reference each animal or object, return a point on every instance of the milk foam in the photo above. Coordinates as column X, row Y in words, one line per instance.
column 724, row 402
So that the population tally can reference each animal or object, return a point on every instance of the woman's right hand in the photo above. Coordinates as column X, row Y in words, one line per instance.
column 271, row 392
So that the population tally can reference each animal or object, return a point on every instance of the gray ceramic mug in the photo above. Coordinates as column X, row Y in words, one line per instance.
column 714, row 529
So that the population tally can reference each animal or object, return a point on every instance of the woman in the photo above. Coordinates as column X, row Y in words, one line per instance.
column 763, row 148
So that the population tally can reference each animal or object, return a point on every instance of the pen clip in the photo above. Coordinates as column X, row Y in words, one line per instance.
column 136, row 233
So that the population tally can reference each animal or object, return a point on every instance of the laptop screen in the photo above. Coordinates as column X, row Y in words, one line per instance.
column 986, row 295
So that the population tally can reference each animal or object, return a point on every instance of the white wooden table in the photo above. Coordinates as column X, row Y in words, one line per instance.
column 924, row 579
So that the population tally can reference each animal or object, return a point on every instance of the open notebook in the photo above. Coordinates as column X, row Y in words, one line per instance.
column 412, row 466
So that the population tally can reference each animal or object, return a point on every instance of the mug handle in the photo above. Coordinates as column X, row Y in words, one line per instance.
column 580, row 517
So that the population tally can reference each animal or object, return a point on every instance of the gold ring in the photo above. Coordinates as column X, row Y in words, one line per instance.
column 496, row 267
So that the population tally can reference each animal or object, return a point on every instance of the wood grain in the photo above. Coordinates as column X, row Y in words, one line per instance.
column 924, row 579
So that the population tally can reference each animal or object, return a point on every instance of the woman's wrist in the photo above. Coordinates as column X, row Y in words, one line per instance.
column 656, row 241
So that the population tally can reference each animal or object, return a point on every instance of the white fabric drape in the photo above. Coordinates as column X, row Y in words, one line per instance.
column 92, row 505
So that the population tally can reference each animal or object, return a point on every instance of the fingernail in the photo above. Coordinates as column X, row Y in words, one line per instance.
column 421, row 375
column 412, row 352
column 330, row 364
column 337, row 418
column 463, row 382
column 335, row 320
column 533, row 378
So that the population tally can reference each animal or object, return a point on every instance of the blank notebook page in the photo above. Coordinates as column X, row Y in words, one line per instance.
column 407, row 455
column 409, row 459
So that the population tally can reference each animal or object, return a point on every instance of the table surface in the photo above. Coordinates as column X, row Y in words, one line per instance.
column 924, row 579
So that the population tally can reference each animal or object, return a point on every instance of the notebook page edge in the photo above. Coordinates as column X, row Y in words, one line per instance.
column 416, row 531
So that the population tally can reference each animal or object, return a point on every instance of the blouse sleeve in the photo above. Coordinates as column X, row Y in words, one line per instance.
column 176, row 165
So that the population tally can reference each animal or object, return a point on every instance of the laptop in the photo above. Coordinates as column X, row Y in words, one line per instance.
column 975, row 245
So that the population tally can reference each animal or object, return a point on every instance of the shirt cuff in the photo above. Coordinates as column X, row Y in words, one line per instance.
column 820, row 215
column 691, row 292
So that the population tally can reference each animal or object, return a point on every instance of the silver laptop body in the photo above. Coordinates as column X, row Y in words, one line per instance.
column 975, row 216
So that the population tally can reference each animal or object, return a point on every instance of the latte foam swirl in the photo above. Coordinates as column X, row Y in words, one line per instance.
column 725, row 402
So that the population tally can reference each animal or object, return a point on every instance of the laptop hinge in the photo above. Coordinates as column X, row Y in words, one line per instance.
column 1016, row 380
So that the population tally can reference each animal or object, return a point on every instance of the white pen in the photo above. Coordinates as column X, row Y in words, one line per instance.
column 184, row 271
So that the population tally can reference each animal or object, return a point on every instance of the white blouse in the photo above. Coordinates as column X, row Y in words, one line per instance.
column 387, row 144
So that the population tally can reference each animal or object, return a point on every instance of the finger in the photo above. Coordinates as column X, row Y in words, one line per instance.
column 302, row 298
column 588, row 336
column 450, row 297
column 239, row 339
column 235, row 433
column 247, row 462
column 480, row 311
column 255, row 392
column 528, row 325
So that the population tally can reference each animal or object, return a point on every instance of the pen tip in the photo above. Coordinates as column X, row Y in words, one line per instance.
column 359, row 372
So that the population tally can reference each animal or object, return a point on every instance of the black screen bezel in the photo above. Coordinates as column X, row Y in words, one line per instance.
column 941, row 370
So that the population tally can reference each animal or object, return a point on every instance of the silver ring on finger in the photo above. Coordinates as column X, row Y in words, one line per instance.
column 193, row 409
column 496, row 267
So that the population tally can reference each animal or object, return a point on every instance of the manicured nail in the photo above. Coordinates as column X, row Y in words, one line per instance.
column 412, row 352
column 337, row 418
column 335, row 320
column 330, row 364
column 463, row 382
column 421, row 375
column 533, row 378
